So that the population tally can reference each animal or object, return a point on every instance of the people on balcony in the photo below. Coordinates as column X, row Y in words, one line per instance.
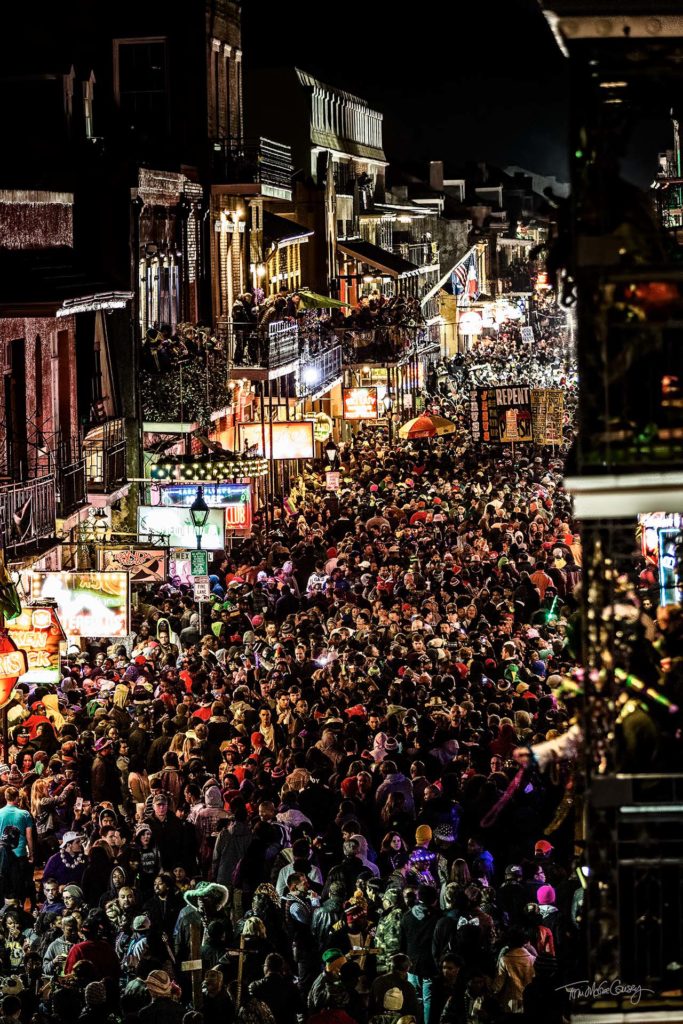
column 391, row 321
column 243, row 322
column 164, row 349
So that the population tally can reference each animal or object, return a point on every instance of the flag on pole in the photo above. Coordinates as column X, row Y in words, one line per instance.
column 459, row 277
column 472, row 285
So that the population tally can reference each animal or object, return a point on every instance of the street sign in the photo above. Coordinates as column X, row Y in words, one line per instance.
column 527, row 334
column 202, row 588
column 199, row 564
column 332, row 481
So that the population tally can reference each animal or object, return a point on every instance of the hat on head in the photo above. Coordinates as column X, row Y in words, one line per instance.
column 544, row 847
column 333, row 958
column 423, row 834
column 443, row 833
column 207, row 890
column 103, row 743
column 142, row 827
column 142, row 923
column 73, row 890
column 69, row 837
column 159, row 984
column 546, row 894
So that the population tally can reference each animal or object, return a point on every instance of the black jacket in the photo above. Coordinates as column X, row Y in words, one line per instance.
column 417, row 931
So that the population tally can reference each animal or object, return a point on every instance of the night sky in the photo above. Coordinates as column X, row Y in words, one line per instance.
column 468, row 81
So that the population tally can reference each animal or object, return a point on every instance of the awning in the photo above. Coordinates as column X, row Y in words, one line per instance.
column 311, row 300
column 92, row 303
column 52, row 282
column 280, row 232
column 381, row 259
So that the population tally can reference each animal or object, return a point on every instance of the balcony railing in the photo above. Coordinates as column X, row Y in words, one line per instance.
column 318, row 369
column 386, row 344
column 263, row 162
column 187, row 391
column 27, row 512
column 274, row 349
column 104, row 449
column 422, row 254
column 72, row 488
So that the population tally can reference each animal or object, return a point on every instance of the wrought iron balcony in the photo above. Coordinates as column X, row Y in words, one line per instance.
column 320, row 367
column 72, row 488
column 27, row 512
column 264, row 353
column 104, row 449
column 391, row 344
column 262, row 167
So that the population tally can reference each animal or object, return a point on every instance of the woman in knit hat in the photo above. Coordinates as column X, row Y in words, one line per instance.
column 164, row 1007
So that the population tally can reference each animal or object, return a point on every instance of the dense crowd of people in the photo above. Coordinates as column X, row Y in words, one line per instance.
column 311, row 805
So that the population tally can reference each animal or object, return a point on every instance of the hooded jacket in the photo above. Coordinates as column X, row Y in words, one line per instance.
column 417, row 931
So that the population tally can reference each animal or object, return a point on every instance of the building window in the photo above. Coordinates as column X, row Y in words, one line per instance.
column 159, row 283
column 141, row 83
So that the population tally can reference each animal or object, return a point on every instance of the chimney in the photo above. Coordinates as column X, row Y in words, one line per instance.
column 436, row 175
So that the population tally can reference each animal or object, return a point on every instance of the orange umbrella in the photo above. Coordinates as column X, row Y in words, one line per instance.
column 426, row 426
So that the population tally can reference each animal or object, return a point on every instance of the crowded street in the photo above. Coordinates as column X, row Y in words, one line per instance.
column 318, row 803
column 341, row 514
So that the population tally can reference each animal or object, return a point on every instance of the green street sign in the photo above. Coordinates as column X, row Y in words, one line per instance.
column 199, row 563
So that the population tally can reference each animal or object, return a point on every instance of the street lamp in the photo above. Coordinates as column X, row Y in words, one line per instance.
column 199, row 512
column 331, row 451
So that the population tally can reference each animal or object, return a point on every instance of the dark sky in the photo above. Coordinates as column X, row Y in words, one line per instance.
column 470, row 80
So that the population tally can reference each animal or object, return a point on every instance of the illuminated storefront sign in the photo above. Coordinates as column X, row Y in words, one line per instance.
column 38, row 632
column 89, row 604
column 234, row 498
column 291, row 440
column 322, row 426
column 145, row 565
column 361, row 404
column 176, row 523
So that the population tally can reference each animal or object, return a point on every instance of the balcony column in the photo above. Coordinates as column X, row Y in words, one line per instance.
column 229, row 91
column 214, row 115
column 240, row 106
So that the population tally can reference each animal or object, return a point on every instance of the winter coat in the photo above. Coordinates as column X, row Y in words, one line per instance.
column 417, row 931
column 388, row 938
column 105, row 780
column 515, row 972
column 230, row 847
